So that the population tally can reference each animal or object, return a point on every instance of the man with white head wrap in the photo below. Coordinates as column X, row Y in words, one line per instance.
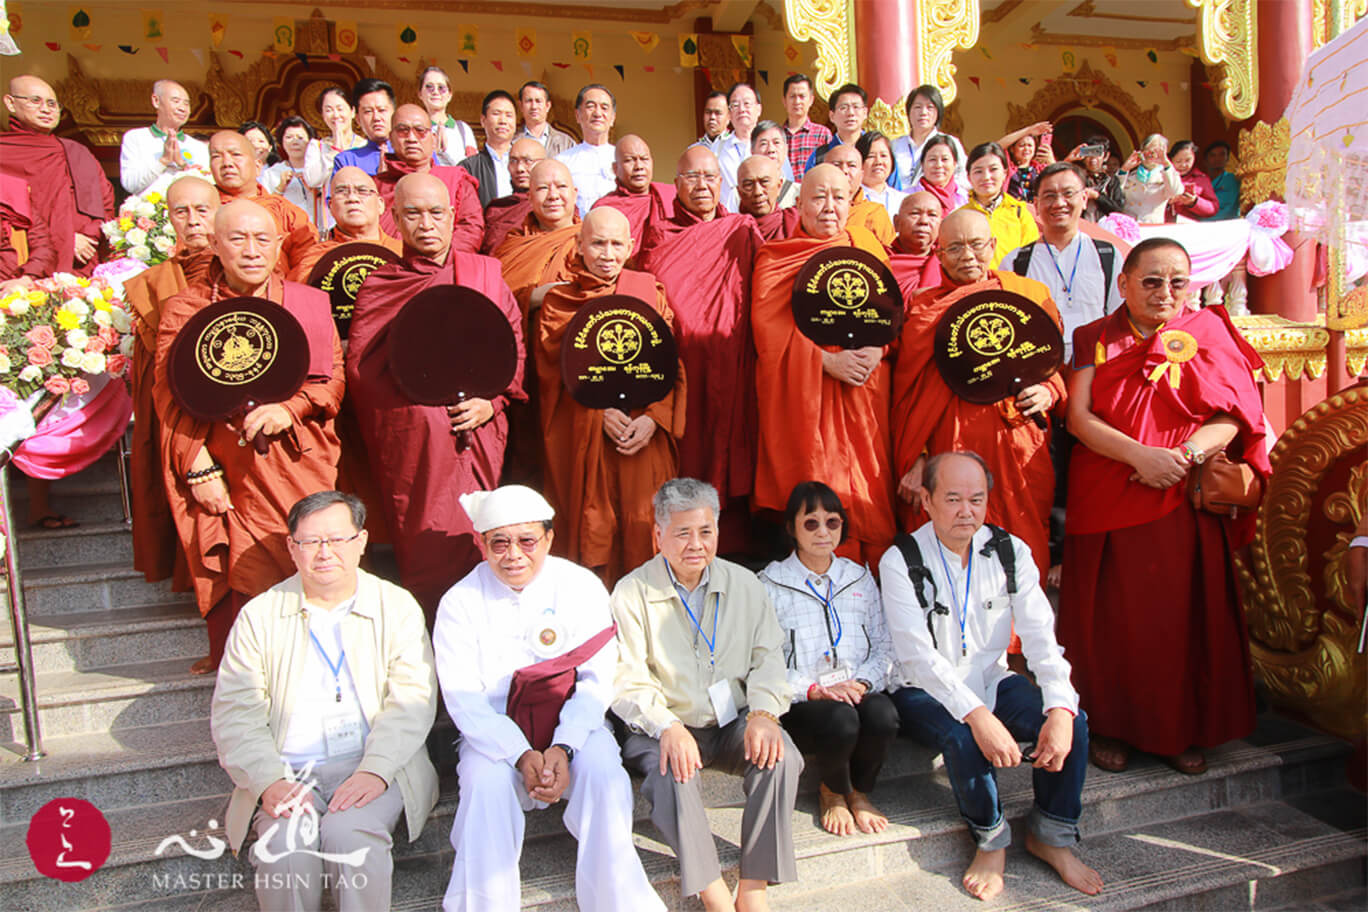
column 521, row 607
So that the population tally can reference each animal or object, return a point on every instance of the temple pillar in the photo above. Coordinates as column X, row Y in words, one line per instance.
column 886, row 35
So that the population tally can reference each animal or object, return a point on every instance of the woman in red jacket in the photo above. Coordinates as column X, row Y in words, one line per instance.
column 1198, row 199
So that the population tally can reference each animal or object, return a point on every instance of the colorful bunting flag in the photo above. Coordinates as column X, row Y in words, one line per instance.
column 283, row 34
column 647, row 41
column 130, row 49
column 975, row 80
column 199, row 55
column 237, row 54
column 497, row 64
column 152, row 23
column 407, row 38
column 791, row 53
column 688, row 50
column 526, row 68
column 1069, row 59
column 986, row 53
column 649, row 69
column 302, row 58
column 370, row 62
column 526, row 41
column 218, row 27
column 346, row 36
column 52, row 45
column 164, row 54
column 560, row 66
column 742, row 43
column 1141, row 83
column 620, row 71
column 1152, row 56
column 80, row 23
column 469, row 40
column 93, row 47
column 764, row 76
column 1110, row 54
column 1164, row 86
column 465, row 64
column 582, row 46
column 1024, row 81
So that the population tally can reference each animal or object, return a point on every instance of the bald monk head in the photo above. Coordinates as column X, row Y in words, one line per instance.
column 191, row 203
column 847, row 158
column 605, row 242
column 918, row 222
column 234, row 163
column 32, row 102
column 824, row 201
column 552, row 195
column 423, row 212
column 698, row 181
column 412, row 137
column 633, row 164
column 172, row 104
column 965, row 246
column 247, row 243
column 758, row 181
column 354, row 202
column 522, row 158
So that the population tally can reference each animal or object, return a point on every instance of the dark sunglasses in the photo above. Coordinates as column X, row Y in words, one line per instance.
column 833, row 523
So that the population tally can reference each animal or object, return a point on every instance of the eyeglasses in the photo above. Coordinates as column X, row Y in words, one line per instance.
column 433, row 88
column 833, row 523
column 958, row 249
column 526, row 543
column 850, row 108
column 346, row 191
column 1067, row 196
column 1155, row 283
column 410, row 130
column 700, row 177
column 38, row 101
column 313, row 544
column 743, row 105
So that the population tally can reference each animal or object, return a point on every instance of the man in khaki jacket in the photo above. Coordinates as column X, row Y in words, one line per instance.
column 324, row 700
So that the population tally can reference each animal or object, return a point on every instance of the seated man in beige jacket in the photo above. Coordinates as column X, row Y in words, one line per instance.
column 324, row 700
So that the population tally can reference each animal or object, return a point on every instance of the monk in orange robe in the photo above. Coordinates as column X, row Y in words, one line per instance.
column 538, row 251
column 233, row 162
column 930, row 419
column 414, row 144
column 912, row 256
column 603, row 465
column 637, row 194
column 866, row 214
column 355, row 205
column 232, row 524
column 507, row 212
column 758, row 181
column 823, row 411
column 191, row 203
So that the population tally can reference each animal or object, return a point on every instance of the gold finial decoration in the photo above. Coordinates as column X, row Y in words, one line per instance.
column 1263, row 162
column 830, row 24
column 890, row 120
column 943, row 25
column 1228, row 34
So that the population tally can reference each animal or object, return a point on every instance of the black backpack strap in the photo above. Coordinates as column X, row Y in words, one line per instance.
column 918, row 573
column 1107, row 254
column 1022, row 261
column 1000, row 543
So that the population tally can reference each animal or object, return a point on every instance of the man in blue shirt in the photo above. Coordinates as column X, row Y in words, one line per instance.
column 374, row 102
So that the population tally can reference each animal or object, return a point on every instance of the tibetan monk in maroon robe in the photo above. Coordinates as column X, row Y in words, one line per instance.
column 233, row 162
column 930, row 419
column 414, row 143
column 603, row 465
column 759, row 181
column 191, row 203
column 1149, row 613
column 866, row 214
column 913, row 254
column 68, row 190
column 355, row 205
column 412, row 448
column 704, row 256
column 637, row 195
column 823, row 411
column 232, row 526
column 508, row 212
column 26, row 247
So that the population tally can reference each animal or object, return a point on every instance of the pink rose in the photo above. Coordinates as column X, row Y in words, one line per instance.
column 109, row 336
column 146, row 224
column 58, row 386
column 4, row 350
column 42, row 336
column 39, row 356
column 78, row 386
column 115, row 365
column 96, row 344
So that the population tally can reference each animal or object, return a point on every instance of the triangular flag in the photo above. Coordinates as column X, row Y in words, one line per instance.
column 649, row 69
column 1183, row 86
column 237, row 54
column 404, row 60
column 370, row 62
column 52, row 45
column 334, row 57
column 975, row 81
column 677, row 70
column 985, row 51
column 647, row 41
column 93, row 47
column 764, row 76
column 1152, row 55
column 465, row 64
column 1002, row 82
column 620, row 71
column 1024, row 81
column 560, row 66
column 526, row 67
column 589, row 68
column 1164, row 86
column 130, row 49
column 1141, row 83
column 164, row 54
column 218, row 27
column 270, row 55
column 199, row 55
column 80, row 23
column 1110, row 54
column 302, row 58
column 497, row 64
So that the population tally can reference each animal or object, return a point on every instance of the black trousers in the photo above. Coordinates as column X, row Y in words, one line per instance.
column 850, row 743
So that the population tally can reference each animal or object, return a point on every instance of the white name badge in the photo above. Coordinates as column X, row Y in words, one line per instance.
column 997, row 601
column 832, row 678
column 723, row 703
column 342, row 735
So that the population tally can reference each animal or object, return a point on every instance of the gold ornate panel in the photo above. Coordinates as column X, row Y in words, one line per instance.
column 890, row 120
column 1086, row 88
column 1303, row 632
column 830, row 25
column 1227, row 33
column 1263, row 162
column 1290, row 349
column 942, row 26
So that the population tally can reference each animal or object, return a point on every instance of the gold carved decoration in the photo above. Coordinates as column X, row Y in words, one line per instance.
column 1303, row 633
column 943, row 25
column 1086, row 88
column 1263, row 162
column 1228, row 33
column 1323, row 30
column 890, row 120
column 102, row 109
column 1291, row 349
column 515, row 10
column 1088, row 10
column 830, row 25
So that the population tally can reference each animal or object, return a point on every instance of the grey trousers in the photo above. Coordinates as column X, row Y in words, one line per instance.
column 677, row 810
column 294, row 881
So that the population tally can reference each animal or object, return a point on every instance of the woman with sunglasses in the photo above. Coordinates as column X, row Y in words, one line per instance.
column 839, row 656
column 455, row 139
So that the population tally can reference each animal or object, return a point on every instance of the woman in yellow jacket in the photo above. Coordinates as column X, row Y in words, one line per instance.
column 1012, row 221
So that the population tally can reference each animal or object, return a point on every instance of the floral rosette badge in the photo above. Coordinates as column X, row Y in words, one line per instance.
column 60, row 332
column 143, row 230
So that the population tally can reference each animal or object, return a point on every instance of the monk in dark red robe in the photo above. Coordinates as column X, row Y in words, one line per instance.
column 1149, row 611
column 68, row 190
column 866, row 214
column 232, row 526
column 26, row 247
column 913, row 254
column 411, row 447
column 414, row 143
column 603, row 466
column 637, row 195
column 233, row 162
column 355, row 205
column 823, row 411
column 758, row 183
column 191, row 203
column 704, row 255
column 508, row 212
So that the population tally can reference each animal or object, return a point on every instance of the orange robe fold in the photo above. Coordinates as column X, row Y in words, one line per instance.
column 244, row 549
column 531, row 256
column 872, row 217
column 297, row 233
column 602, row 498
column 812, row 426
column 336, row 237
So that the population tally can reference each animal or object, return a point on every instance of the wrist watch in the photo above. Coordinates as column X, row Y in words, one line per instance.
column 569, row 752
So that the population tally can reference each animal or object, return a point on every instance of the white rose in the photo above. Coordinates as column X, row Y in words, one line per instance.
column 93, row 363
column 103, row 319
column 136, row 236
column 5, row 364
column 140, row 252
column 126, row 345
column 144, row 209
column 71, row 357
column 113, row 233
column 122, row 321
column 19, row 306
column 79, row 307
column 164, row 245
column 77, row 338
column 31, row 374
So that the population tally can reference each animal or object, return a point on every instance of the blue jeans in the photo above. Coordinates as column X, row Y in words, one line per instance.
column 1058, row 796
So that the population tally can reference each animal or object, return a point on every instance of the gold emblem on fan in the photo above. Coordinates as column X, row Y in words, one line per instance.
column 236, row 348
column 619, row 342
column 848, row 289
column 989, row 334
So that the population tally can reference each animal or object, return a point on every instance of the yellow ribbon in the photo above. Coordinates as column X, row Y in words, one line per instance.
column 1179, row 348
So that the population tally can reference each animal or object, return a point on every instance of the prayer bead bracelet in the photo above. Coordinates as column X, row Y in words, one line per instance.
column 761, row 712
column 214, row 475
column 203, row 473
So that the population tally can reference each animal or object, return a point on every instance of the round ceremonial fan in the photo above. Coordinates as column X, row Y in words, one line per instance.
column 618, row 352
column 340, row 273
column 847, row 297
column 451, row 343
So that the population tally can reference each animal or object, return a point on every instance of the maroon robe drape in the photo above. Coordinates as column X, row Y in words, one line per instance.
column 467, row 231
column 641, row 209
column 779, row 224
column 16, row 215
column 501, row 216
column 913, row 271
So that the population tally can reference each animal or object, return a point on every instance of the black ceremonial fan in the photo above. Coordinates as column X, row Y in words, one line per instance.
column 618, row 352
column 847, row 297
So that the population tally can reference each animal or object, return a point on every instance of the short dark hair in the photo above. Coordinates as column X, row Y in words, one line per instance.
column 322, row 500
column 433, row 68
column 849, row 88
column 579, row 99
column 248, row 126
column 1097, row 139
column 370, row 85
column 1218, row 144
column 1054, row 168
column 1182, row 146
column 533, row 84
column 867, row 141
column 1155, row 243
column 940, row 139
column 983, row 150
column 932, row 470
column 765, row 126
column 808, row 496
column 796, row 78
column 287, row 123
column 495, row 96
column 333, row 90
column 715, row 94
column 931, row 94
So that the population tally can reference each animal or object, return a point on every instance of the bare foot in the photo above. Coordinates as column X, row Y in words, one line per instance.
column 836, row 817
column 984, row 877
column 716, row 897
column 1191, row 762
column 867, row 816
column 203, row 666
column 1067, row 865
column 751, row 896
column 1109, row 754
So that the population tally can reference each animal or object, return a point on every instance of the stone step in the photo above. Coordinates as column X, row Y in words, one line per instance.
column 91, row 495
column 90, row 587
column 86, row 640
column 92, row 542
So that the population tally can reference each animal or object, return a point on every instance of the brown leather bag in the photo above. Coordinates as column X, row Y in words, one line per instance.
column 1221, row 486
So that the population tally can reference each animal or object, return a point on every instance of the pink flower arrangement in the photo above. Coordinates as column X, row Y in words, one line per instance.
column 1123, row 226
column 55, row 329
column 1271, row 215
column 58, row 386
column 79, row 386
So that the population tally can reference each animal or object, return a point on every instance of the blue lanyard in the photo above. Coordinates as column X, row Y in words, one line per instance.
column 1069, row 284
column 717, row 609
column 962, row 610
column 831, row 613
column 336, row 669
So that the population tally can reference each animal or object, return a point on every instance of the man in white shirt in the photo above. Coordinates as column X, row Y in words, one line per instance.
column 952, row 592
column 149, row 152
column 331, row 671
column 524, row 611
column 745, row 108
column 716, row 120
column 591, row 162
column 535, row 101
